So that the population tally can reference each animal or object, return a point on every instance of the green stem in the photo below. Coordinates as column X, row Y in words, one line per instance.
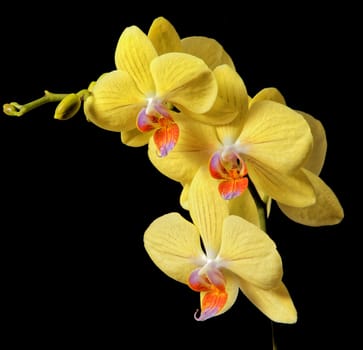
column 17, row 110
column 274, row 347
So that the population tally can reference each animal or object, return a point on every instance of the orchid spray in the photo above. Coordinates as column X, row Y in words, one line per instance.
column 233, row 155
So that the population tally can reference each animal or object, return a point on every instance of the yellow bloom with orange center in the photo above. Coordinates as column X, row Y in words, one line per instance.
column 264, row 147
column 148, row 93
column 236, row 256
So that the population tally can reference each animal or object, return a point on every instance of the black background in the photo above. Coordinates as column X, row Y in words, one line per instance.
column 76, row 202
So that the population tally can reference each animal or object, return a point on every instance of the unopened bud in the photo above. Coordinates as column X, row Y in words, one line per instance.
column 68, row 107
column 9, row 109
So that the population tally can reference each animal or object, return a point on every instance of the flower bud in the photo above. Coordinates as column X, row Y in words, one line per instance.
column 68, row 107
column 8, row 109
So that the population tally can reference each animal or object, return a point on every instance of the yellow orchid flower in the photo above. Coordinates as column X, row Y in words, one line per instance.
column 267, row 146
column 148, row 93
column 165, row 39
column 236, row 256
column 143, row 95
column 327, row 209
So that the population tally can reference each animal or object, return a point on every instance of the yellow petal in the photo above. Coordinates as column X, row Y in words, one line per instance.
column 185, row 81
column 295, row 190
column 316, row 159
column 232, row 90
column 231, row 100
column 134, row 53
column 193, row 149
column 245, row 206
column 326, row 210
column 115, row 102
column 250, row 253
column 276, row 135
column 207, row 210
column 173, row 244
column 164, row 36
column 208, row 49
column 177, row 165
column 275, row 303
column 270, row 93
column 135, row 138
